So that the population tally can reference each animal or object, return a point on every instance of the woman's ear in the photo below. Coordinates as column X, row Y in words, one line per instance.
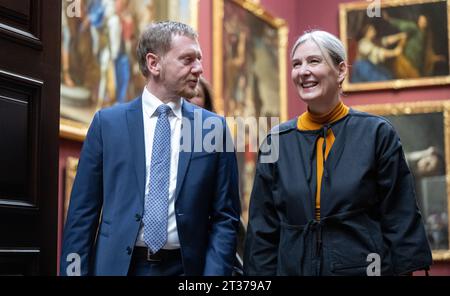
column 342, row 72
column 153, row 64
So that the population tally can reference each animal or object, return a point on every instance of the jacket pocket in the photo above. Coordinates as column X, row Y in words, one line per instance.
column 349, row 247
column 104, row 229
column 290, row 250
column 199, row 155
column 352, row 269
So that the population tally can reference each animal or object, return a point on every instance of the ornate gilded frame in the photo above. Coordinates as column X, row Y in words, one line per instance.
column 255, row 9
column 247, row 83
column 70, row 173
column 415, row 108
column 74, row 129
column 395, row 83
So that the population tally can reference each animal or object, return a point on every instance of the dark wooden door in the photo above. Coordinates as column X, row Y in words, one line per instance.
column 30, row 34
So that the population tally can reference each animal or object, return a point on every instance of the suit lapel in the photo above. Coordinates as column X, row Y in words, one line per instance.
column 185, row 156
column 135, row 123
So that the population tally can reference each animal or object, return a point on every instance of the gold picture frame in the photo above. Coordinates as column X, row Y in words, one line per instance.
column 400, row 44
column 98, row 60
column 249, row 71
column 70, row 173
column 424, row 130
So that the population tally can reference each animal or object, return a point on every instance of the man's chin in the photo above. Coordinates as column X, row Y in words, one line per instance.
column 188, row 94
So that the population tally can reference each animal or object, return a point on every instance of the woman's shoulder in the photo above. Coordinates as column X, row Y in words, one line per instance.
column 368, row 117
column 285, row 127
column 368, row 121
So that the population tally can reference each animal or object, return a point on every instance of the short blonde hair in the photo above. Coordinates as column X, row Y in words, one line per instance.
column 157, row 39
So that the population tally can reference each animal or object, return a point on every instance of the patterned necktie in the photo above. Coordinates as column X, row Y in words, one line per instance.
column 157, row 200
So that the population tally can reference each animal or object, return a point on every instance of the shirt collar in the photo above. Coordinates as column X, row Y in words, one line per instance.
column 150, row 103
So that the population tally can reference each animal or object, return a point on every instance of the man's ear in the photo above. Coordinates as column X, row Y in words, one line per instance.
column 153, row 63
column 342, row 72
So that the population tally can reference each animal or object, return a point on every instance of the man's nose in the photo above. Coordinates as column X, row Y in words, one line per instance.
column 197, row 68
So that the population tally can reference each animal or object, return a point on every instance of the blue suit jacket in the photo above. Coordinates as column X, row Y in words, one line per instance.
column 107, row 199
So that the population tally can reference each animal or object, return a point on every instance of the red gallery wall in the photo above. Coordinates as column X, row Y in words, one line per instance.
column 328, row 19
column 324, row 14
column 300, row 16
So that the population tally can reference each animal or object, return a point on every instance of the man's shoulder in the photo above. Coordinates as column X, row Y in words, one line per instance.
column 118, row 109
column 194, row 109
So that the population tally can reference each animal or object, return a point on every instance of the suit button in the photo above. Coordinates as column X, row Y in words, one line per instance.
column 138, row 217
column 129, row 250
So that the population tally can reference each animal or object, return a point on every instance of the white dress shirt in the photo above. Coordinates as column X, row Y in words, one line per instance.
column 149, row 105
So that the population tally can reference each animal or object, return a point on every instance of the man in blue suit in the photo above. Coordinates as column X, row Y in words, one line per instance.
column 154, row 195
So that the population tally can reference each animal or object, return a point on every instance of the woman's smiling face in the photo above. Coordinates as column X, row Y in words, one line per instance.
column 316, row 81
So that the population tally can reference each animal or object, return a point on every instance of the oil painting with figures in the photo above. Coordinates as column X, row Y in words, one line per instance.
column 98, row 60
column 423, row 128
column 249, row 77
column 426, row 160
column 405, row 43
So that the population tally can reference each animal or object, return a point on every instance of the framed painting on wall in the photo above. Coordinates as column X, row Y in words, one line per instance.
column 249, row 73
column 401, row 43
column 70, row 173
column 424, row 130
column 98, row 60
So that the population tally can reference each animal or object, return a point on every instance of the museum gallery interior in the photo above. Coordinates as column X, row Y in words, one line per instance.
column 63, row 61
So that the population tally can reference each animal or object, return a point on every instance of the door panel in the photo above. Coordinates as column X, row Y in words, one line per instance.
column 29, row 125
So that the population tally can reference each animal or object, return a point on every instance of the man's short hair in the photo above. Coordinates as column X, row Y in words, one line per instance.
column 157, row 39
